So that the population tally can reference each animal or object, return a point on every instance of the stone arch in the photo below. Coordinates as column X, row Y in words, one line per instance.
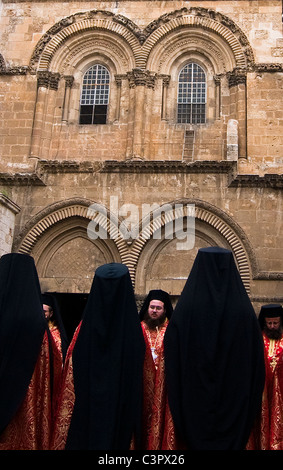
column 228, row 37
column 78, row 27
column 141, row 42
column 58, row 227
column 179, row 44
column 213, row 226
column 83, row 47
column 66, row 221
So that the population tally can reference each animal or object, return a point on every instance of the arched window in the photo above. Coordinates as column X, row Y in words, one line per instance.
column 191, row 94
column 95, row 95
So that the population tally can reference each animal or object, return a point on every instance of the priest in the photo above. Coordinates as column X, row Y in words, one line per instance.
column 214, row 359
column 100, row 404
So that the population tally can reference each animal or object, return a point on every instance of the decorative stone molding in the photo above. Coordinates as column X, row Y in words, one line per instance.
column 216, row 219
column 170, row 166
column 130, row 252
column 12, row 70
column 69, row 79
column 20, row 179
column 140, row 77
column 256, row 181
column 237, row 76
column 140, row 41
column 136, row 166
column 48, row 79
column 46, row 167
column 268, row 68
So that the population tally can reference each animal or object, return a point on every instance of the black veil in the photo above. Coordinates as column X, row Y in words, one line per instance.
column 214, row 356
column 22, row 326
column 108, row 365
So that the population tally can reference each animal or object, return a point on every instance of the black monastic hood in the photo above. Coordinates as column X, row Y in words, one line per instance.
column 108, row 365
column 22, row 326
column 214, row 356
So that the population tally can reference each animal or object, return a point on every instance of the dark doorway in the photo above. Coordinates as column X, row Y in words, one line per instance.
column 71, row 309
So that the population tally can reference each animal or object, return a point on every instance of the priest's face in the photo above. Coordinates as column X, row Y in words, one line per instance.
column 156, row 310
column 47, row 311
column 273, row 327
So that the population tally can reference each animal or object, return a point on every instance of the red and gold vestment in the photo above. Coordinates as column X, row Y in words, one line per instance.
column 30, row 428
column 158, row 427
column 267, row 433
column 65, row 400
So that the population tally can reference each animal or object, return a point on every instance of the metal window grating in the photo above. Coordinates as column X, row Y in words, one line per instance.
column 95, row 88
column 191, row 94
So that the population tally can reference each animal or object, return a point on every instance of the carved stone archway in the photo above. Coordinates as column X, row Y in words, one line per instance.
column 62, row 222
column 65, row 255
column 142, row 41
column 212, row 225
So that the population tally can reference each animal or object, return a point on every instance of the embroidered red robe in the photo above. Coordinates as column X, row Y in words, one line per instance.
column 30, row 428
column 65, row 400
column 158, row 427
column 267, row 433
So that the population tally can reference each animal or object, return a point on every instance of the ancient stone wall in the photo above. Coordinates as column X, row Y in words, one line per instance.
column 8, row 211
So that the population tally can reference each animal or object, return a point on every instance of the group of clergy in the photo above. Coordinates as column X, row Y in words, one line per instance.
column 194, row 377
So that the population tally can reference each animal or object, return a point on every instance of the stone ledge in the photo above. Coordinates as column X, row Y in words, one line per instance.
column 251, row 181
column 20, row 179
column 136, row 166
column 171, row 166
column 229, row 168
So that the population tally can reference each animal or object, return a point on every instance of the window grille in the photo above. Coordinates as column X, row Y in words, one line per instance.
column 95, row 95
column 191, row 95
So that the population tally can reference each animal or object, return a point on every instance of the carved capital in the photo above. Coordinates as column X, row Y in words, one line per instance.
column 165, row 80
column 69, row 79
column 48, row 79
column 140, row 77
column 237, row 77
column 119, row 78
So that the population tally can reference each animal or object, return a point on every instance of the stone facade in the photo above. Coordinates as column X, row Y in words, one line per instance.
column 228, row 167
column 8, row 211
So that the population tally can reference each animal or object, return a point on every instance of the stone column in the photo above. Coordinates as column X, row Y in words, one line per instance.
column 69, row 80
column 139, row 81
column 118, row 81
column 237, row 85
column 45, row 80
column 165, row 85
column 232, row 140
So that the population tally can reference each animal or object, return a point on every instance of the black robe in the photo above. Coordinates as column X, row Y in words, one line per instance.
column 22, row 327
column 214, row 356
column 108, row 366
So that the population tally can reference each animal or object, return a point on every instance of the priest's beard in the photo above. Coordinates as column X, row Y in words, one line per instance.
column 153, row 323
column 273, row 334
